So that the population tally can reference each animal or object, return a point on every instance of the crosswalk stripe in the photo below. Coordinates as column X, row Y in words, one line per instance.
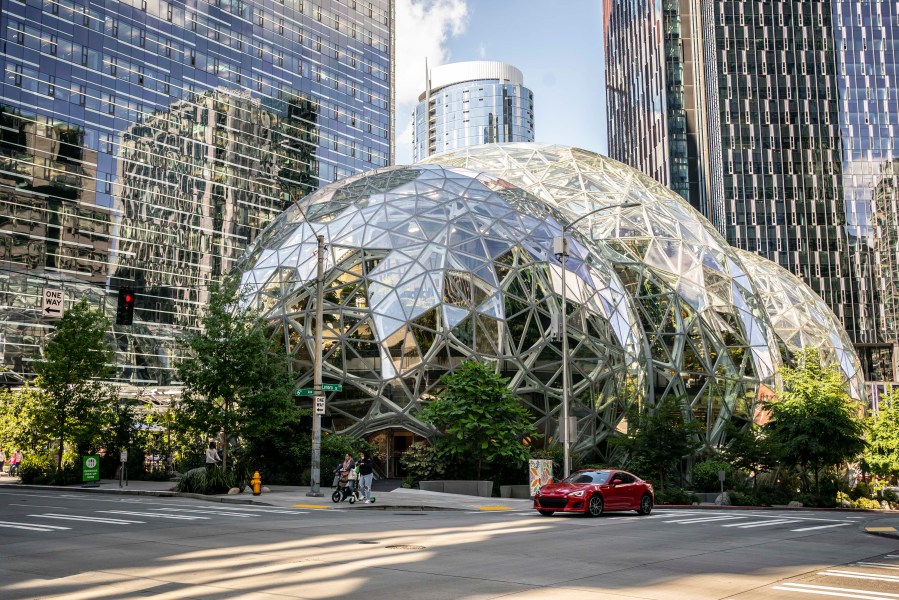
column 859, row 575
column 821, row 527
column 31, row 527
column 157, row 515
column 210, row 512
column 877, row 565
column 824, row 590
column 764, row 523
column 267, row 511
column 704, row 520
column 87, row 518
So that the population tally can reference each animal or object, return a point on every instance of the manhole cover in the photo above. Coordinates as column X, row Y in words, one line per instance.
column 368, row 542
column 405, row 547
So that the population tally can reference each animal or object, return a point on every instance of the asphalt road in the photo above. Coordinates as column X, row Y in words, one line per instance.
column 88, row 546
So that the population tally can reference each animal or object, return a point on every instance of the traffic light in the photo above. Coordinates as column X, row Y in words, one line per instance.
column 125, row 312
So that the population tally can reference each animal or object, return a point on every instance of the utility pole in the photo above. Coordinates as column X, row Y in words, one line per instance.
column 317, row 376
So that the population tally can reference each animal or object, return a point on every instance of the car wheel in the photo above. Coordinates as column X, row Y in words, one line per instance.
column 645, row 505
column 595, row 505
column 335, row 497
column 546, row 513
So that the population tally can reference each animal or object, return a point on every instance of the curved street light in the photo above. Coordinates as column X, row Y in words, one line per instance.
column 560, row 249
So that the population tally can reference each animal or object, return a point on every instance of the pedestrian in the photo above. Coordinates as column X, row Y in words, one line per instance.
column 212, row 457
column 349, row 465
column 2, row 460
column 14, row 463
column 365, row 476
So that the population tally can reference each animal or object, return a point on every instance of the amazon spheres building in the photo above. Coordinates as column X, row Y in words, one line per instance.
column 452, row 259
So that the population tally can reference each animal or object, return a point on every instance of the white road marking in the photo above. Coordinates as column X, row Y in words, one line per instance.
column 877, row 565
column 264, row 510
column 822, row 527
column 209, row 512
column 825, row 590
column 31, row 526
column 704, row 520
column 108, row 520
column 859, row 575
column 764, row 523
column 157, row 515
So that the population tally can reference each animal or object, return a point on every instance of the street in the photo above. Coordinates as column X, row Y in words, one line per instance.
column 73, row 545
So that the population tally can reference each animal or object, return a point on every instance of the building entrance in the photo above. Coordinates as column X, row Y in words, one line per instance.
column 391, row 444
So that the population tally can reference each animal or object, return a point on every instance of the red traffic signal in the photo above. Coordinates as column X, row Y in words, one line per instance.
column 125, row 310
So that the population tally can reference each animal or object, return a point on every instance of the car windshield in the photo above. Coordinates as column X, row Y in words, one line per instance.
column 588, row 477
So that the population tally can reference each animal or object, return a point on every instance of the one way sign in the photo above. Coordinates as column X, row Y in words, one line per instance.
column 54, row 303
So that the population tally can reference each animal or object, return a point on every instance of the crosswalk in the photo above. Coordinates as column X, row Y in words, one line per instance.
column 131, row 514
column 873, row 579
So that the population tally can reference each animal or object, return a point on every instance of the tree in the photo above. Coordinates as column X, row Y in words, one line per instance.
column 882, row 454
column 234, row 384
column 74, row 359
column 814, row 422
column 19, row 427
column 659, row 438
column 480, row 420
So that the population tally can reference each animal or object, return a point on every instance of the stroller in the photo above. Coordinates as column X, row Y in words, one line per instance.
column 350, row 491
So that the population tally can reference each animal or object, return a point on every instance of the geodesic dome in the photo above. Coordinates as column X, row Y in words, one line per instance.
column 427, row 266
column 801, row 319
column 709, row 337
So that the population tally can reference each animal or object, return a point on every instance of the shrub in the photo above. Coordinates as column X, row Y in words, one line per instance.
column 868, row 503
column 422, row 463
column 740, row 499
column 674, row 495
column 41, row 470
column 208, row 481
column 705, row 475
column 890, row 496
column 861, row 490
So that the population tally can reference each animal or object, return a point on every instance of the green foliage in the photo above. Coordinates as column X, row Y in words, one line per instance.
column 658, row 439
column 705, row 475
column 77, row 406
column 740, row 499
column 234, row 382
column 481, row 422
column 422, row 463
column 41, row 469
column 748, row 449
column 19, row 425
column 674, row 495
column 882, row 455
column 814, row 422
column 209, row 481
column 890, row 496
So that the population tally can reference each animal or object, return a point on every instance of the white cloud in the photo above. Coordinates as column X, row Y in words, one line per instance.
column 482, row 50
column 423, row 29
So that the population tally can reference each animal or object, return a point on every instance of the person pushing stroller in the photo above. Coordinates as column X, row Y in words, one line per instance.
column 347, row 478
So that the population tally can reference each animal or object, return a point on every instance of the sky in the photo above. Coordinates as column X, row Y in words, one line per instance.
column 556, row 45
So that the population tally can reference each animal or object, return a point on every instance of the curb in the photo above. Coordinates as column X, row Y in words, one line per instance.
column 123, row 492
column 883, row 532
column 812, row 508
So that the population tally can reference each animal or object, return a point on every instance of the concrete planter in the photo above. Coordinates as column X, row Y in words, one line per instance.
column 458, row 486
column 515, row 491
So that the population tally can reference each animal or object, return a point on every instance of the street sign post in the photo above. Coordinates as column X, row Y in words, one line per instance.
column 319, row 405
column 53, row 304
column 90, row 469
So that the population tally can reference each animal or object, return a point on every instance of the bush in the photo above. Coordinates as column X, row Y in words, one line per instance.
column 674, row 495
column 868, row 503
column 421, row 464
column 41, row 470
column 861, row 490
column 890, row 496
column 705, row 475
column 740, row 499
column 209, row 481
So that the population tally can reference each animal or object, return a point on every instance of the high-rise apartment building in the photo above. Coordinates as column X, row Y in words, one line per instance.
column 471, row 103
column 144, row 144
column 776, row 120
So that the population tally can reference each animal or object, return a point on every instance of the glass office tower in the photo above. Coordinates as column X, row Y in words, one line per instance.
column 471, row 103
column 145, row 143
column 754, row 117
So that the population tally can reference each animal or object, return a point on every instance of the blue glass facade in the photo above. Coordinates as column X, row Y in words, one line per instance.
column 145, row 143
column 469, row 104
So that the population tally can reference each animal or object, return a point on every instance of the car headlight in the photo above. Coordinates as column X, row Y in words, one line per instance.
column 577, row 494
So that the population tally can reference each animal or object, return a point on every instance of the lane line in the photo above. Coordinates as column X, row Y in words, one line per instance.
column 108, row 520
column 877, row 565
column 839, row 589
column 263, row 510
column 822, row 527
column 859, row 575
column 157, row 515
column 209, row 512
column 765, row 524
column 31, row 527
column 704, row 520
column 759, row 522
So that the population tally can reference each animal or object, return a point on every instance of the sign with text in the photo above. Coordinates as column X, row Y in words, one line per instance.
column 53, row 304
column 90, row 468
column 304, row 392
column 332, row 387
column 319, row 405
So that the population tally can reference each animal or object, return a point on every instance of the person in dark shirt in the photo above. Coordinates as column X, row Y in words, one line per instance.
column 365, row 475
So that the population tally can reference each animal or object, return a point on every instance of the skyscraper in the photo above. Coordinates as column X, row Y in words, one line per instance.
column 471, row 103
column 774, row 119
column 144, row 144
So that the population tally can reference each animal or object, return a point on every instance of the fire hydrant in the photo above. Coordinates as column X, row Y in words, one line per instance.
column 256, row 482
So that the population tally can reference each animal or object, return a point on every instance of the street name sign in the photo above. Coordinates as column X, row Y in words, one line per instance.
column 332, row 387
column 319, row 405
column 304, row 392
column 53, row 304
column 90, row 468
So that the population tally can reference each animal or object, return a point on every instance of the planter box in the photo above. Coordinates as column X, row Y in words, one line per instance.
column 515, row 491
column 458, row 486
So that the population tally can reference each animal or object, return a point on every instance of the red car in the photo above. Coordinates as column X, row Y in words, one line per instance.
column 593, row 491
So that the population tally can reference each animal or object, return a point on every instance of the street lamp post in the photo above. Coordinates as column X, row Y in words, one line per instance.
column 317, row 370
column 560, row 249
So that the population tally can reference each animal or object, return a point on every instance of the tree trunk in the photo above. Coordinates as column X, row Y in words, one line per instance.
column 817, row 484
column 224, row 451
column 59, row 456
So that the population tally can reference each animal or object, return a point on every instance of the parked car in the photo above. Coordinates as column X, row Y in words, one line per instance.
column 594, row 491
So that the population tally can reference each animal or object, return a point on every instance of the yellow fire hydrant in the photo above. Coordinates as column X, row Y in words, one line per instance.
column 256, row 482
